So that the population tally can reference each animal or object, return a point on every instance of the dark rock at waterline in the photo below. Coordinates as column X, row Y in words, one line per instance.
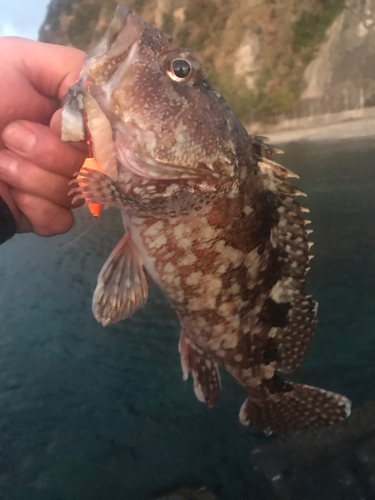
column 334, row 463
column 190, row 494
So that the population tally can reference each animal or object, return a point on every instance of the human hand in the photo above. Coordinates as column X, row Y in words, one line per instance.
column 35, row 165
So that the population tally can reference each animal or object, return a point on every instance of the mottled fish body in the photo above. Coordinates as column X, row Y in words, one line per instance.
column 209, row 217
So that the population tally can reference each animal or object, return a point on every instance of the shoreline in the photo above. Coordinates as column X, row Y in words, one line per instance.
column 335, row 132
column 351, row 124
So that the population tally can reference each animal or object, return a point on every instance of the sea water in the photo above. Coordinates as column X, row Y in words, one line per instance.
column 95, row 414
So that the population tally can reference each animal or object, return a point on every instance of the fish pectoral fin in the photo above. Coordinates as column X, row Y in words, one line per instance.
column 122, row 286
column 97, row 187
column 293, row 407
column 206, row 376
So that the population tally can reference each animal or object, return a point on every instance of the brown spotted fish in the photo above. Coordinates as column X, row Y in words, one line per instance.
column 208, row 216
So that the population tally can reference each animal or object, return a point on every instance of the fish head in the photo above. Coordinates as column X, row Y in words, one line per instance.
column 162, row 108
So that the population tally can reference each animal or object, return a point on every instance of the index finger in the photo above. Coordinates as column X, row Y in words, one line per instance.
column 39, row 145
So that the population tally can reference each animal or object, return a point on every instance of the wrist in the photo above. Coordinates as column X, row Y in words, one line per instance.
column 5, row 194
column 8, row 224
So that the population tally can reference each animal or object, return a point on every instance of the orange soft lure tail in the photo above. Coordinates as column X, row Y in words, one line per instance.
column 95, row 208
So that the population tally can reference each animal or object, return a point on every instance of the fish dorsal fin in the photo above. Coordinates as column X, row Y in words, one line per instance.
column 207, row 384
column 289, row 238
column 122, row 287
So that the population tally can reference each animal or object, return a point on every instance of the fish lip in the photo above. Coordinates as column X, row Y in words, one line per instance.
column 125, row 30
column 118, row 23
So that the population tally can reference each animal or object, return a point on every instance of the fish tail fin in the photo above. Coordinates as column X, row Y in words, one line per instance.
column 295, row 407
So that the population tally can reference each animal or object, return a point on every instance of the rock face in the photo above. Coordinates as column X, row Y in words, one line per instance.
column 343, row 72
column 255, row 52
column 267, row 57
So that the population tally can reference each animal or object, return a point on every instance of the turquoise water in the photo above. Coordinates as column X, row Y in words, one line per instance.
column 92, row 413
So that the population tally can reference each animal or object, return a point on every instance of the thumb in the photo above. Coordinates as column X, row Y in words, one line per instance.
column 36, row 76
column 50, row 68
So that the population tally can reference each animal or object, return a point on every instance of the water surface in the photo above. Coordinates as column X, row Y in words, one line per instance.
column 92, row 413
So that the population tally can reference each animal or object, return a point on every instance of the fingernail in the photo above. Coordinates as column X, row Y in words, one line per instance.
column 9, row 166
column 18, row 137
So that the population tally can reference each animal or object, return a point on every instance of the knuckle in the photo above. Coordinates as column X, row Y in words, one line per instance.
column 23, row 201
column 46, row 218
column 58, row 224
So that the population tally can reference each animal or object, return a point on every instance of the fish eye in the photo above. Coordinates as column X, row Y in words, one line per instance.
column 180, row 69
column 181, row 66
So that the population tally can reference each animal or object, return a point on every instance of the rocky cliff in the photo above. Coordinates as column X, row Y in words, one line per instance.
column 342, row 75
column 265, row 56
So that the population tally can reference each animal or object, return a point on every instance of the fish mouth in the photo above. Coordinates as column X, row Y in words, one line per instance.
column 113, row 50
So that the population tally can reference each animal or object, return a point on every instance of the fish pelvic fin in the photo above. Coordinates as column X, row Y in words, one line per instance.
column 206, row 376
column 294, row 407
column 122, row 286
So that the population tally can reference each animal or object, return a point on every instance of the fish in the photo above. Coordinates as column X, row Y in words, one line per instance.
column 209, row 216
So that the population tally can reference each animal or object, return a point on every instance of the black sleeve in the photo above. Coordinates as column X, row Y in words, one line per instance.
column 7, row 222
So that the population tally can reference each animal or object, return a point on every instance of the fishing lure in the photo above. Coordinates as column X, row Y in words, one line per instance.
column 91, row 163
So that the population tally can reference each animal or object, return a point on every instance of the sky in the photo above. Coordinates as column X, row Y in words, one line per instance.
column 22, row 17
